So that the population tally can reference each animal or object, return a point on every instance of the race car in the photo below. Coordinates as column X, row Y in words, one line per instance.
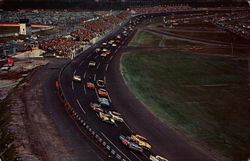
column 92, row 63
column 116, row 116
column 107, row 52
column 157, row 158
column 96, row 107
column 103, row 101
column 102, row 92
column 140, row 140
column 117, row 41
column 114, row 45
column 104, row 44
column 106, row 118
column 103, row 54
column 77, row 78
column 111, row 42
column 97, row 50
column 104, row 49
column 90, row 85
column 126, row 141
column 100, row 83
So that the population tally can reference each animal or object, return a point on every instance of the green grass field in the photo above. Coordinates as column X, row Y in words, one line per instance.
column 206, row 97
column 145, row 38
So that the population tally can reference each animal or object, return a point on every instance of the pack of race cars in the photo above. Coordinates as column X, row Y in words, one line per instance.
column 111, row 117
column 135, row 142
column 102, row 108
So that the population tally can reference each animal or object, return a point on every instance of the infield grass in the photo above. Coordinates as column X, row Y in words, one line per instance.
column 206, row 97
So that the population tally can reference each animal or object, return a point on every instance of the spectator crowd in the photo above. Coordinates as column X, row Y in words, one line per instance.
column 97, row 26
column 92, row 29
column 61, row 46
column 158, row 9
column 83, row 35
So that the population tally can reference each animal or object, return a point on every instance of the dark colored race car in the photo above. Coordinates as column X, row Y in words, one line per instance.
column 100, row 83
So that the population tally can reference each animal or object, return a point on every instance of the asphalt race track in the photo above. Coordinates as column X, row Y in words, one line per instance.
column 138, row 119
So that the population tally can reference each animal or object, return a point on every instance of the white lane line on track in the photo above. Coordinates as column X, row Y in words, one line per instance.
column 136, row 156
column 111, row 57
column 81, row 63
column 109, row 99
column 72, row 84
column 80, row 106
column 84, row 89
column 114, row 146
column 96, row 56
column 74, row 72
column 107, row 67
column 128, row 127
column 94, row 77
column 96, row 93
column 104, row 79
column 84, row 75
column 98, row 65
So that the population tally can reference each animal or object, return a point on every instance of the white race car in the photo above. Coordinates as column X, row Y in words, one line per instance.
column 106, row 118
column 92, row 63
column 157, row 158
column 116, row 116
column 77, row 78
column 104, row 43
column 103, row 54
column 104, row 49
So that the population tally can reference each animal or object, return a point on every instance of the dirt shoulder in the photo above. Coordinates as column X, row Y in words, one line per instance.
column 34, row 135
column 38, row 126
